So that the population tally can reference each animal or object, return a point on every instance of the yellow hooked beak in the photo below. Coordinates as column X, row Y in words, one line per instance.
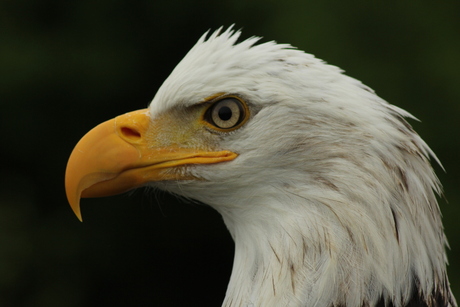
column 125, row 153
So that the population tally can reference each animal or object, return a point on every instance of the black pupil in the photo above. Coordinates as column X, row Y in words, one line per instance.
column 225, row 113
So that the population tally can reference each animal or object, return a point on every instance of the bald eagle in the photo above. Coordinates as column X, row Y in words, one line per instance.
column 325, row 188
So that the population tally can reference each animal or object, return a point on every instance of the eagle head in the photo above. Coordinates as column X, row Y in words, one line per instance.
column 325, row 188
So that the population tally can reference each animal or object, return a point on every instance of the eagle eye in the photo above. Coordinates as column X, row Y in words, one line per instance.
column 226, row 114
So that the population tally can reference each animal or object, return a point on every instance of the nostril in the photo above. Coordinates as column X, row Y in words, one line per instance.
column 130, row 133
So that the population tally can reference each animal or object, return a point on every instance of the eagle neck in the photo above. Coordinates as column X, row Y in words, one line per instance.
column 307, row 257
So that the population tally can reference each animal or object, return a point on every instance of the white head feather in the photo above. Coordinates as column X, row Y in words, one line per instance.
column 331, row 201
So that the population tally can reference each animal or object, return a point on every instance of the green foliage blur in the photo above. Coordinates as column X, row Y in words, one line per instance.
column 66, row 66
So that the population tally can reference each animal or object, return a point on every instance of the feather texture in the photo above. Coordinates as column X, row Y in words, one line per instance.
column 332, row 200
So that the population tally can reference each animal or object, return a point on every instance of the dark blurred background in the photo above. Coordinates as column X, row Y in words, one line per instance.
column 66, row 66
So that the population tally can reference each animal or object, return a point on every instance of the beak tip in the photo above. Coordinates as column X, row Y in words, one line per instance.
column 77, row 211
column 79, row 217
column 76, row 208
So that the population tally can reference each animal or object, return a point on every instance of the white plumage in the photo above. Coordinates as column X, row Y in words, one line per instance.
column 331, row 200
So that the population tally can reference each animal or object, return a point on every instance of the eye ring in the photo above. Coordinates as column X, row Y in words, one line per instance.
column 227, row 114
